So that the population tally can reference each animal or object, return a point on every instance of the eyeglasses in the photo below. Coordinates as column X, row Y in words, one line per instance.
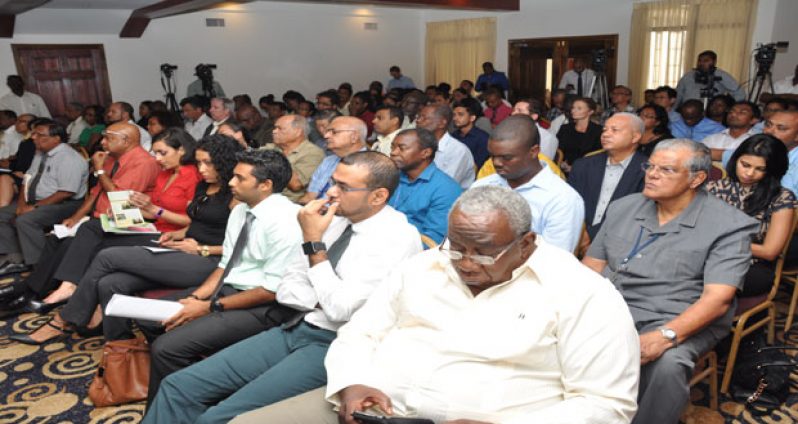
column 106, row 133
column 335, row 131
column 667, row 171
column 38, row 134
column 345, row 188
column 477, row 259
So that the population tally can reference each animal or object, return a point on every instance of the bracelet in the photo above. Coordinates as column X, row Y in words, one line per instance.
column 159, row 213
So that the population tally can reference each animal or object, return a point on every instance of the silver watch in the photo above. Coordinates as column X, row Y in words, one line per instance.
column 99, row 172
column 669, row 334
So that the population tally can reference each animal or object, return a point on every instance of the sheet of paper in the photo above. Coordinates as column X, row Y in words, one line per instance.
column 155, row 249
column 141, row 308
column 61, row 231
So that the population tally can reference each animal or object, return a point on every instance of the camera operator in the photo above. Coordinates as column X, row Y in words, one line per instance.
column 707, row 81
column 204, row 72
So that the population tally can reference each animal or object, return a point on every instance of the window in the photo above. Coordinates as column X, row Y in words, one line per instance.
column 666, row 57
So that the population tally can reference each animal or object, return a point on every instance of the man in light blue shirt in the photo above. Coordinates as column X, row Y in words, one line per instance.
column 425, row 193
column 694, row 125
column 399, row 81
column 557, row 209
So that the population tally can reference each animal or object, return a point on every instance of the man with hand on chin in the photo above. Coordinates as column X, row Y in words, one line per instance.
column 495, row 326
column 351, row 242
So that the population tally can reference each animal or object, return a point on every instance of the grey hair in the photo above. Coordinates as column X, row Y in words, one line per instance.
column 700, row 158
column 226, row 103
column 487, row 199
column 301, row 122
column 637, row 124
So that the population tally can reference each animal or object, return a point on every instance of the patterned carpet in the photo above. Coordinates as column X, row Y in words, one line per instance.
column 49, row 384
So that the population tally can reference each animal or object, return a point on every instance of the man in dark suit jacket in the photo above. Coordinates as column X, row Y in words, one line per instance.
column 612, row 174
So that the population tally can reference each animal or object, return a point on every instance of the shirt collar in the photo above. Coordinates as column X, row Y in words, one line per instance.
column 623, row 164
column 688, row 218
column 55, row 150
column 266, row 206
column 389, row 136
column 376, row 223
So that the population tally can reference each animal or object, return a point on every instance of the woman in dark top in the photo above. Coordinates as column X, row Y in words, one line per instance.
column 655, row 118
column 753, row 185
column 194, row 253
column 580, row 135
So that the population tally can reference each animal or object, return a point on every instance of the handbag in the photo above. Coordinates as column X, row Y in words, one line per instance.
column 762, row 375
column 123, row 374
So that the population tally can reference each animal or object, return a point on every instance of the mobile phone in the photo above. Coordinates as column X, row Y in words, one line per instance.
column 376, row 419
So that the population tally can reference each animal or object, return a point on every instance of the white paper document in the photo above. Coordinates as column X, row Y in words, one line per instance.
column 62, row 231
column 141, row 308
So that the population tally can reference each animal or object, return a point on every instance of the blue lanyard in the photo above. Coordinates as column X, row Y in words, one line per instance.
column 637, row 248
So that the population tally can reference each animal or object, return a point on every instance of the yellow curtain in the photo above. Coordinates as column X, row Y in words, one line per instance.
column 668, row 34
column 455, row 50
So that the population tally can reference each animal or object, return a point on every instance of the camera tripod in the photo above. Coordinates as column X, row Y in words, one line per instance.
column 168, row 83
column 763, row 76
column 599, row 90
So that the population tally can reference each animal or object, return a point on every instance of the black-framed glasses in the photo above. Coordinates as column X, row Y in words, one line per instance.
column 345, row 188
column 487, row 260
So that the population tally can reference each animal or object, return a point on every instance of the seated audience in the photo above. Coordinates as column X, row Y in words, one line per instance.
column 290, row 137
column 321, row 120
column 678, row 256
column 718, row 107
column 741, row 120
column 74, row 112
column 665, row 97
column 123, row 112
column 425, row 193
column 753, row 185
column 557, row 104
column 344, row 135
column 327, row 100
column 620, row 96
column 24, row 149
column 128, row 270
column 56, row 184
column 496, row 110
column 434, row 342
column 557, row 209
column 387, row 123
column 366, row 239
column 7, row 120
column 344, row 97
column 194, row 116
column 238, row 133
column 361, row 106
column 452, row 156
column 464, row 116
column 292, row 100
column 784, row 126
column 221, row 111
column 612, row 174
column 240, row 100
column 580, row 135
column 412, row 102
column 533, row 108
column 95, row 125
column 276, row 110
column 145, row 108
column 260, row 129
column 656, row 122
column 160, row 120
column 694, row 125
column 776, row 104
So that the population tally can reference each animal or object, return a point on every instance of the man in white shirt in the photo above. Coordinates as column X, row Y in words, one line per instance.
column 788, row 85
column 452, row 157
column 387, row 123
column 21, row 101
column 352, row 241
column 496, row 326
column 741, row 120
column 221, row 110
column 578, row 80
column 123, row 112
column 197, row 120
column 74, row 111
column 532, row 108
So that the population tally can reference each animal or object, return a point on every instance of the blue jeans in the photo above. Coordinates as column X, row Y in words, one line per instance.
column 261, row 370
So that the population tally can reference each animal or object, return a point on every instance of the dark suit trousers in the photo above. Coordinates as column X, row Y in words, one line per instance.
column 129, row 270
column 195, row 340
column 26, row 233
column 89, row 240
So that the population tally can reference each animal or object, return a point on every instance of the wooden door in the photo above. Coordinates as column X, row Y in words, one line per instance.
column 63, row 73
column 530, row 79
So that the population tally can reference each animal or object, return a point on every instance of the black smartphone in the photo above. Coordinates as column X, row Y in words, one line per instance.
column 375, row 419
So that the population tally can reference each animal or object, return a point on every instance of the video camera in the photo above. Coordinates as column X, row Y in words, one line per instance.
column 765, row 54
column 599, row 62
column 167, row 69
column 204, row 70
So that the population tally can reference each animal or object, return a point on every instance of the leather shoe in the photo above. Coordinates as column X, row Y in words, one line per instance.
column 14, row 306
column 43, row 308
column 12, row 268
column 6, row 292
column 26, row 339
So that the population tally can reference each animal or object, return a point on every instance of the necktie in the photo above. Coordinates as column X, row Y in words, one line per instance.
column 238, row 250
column 579, row 84
column 336, row 251
column 114, row 169
column 31, row 198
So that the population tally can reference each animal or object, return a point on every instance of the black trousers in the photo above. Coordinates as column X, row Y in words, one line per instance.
column 758, row 279
column 195, row 340
column 129, row 270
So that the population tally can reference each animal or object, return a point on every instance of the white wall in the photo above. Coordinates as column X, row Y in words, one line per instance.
column 266, row 47
column 785, row 29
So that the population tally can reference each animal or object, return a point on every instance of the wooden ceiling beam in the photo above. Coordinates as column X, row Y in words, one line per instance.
column 140, row 18
column 497, row 5
column 9, row 9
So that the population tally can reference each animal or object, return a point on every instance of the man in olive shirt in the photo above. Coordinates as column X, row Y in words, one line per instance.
column 678, row 256
column 260, row 128
column 290, row 136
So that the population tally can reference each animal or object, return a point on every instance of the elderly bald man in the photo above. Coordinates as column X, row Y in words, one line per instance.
column 122, row 165
column 612, row 174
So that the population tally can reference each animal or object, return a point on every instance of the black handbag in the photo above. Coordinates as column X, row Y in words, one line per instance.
column 762, row 374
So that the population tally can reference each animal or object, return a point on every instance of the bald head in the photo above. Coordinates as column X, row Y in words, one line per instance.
column 518, row 128
column 357, row 124
column 120, row 138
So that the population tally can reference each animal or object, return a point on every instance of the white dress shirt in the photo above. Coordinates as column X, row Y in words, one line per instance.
column 10, row 145
column 554, row 344
column 548, row 143
column 724, row 141
column 572, row 78
column 377, row 246
column 145, row 139
column 785, row 86
column 384, row 142
column 75, row 128
column 198, row 127
column 28, row 103
column 454, row 158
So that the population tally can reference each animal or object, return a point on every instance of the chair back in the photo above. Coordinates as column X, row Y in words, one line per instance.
column 428, row 242
column 717, row 172
column 782, row 258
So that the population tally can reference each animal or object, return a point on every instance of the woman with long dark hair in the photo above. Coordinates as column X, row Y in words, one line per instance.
column 655, row 119
column 753, row 185
column 196, row 251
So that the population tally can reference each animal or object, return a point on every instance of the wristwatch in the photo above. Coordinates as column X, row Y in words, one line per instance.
column 312, row 247
column 205, row 250
column 99, row 172
column 216, row 305
column 668, row 334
